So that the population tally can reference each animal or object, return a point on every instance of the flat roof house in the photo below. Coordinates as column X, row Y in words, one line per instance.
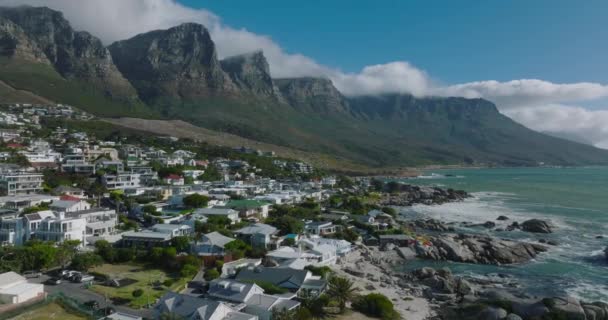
column 14, row 289
column 159, row 235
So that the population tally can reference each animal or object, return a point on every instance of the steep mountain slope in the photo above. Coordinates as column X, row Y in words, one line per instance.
column 14, row 43
column 314, row 95
column 178, row 64
column 250, row 73
column 75, row 55
column 177, row 74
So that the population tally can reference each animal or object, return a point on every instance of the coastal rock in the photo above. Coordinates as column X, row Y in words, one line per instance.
column 491, row 313
column 431, row 225
column 596, row 310
column 407, row 195
column 568, row 307
column 513, row 316
column 537, row 226
column 502, row 218
column 606, row 253
column 478, row 249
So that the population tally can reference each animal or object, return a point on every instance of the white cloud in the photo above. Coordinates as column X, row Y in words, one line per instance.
column 113, row 20
column 569, row 120
column 525, row 92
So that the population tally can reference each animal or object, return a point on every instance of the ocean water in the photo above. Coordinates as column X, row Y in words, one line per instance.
column 574, row 199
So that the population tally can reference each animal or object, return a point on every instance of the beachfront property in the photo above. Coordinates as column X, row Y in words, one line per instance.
column 291, row 279
column 320, row 228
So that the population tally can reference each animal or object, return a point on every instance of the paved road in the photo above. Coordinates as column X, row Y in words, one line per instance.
column 78, row 292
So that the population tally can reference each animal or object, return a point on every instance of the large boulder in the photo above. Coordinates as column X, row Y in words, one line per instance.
column 491, row 313
column 568, row 307
column 478, row 249
column 537, row 226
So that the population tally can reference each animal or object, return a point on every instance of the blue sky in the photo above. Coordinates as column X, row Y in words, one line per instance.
column 454, row 41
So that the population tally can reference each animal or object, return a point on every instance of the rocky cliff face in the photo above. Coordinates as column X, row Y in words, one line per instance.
column 75, row 55
column 251, row 73
column 316, row 95
column 14, row 43
column 178, row 63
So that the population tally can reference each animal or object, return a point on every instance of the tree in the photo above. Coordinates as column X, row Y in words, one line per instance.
column 85, row 261
column 237, row 248
column 137, row 293
column 66, row 252
column 211, row 274
column 287, row 224
column 181, row 243
column 105, row 250
column 344, row 182
column 195, row 200
column 282, row 314
column 341, row 290
column 211, row 174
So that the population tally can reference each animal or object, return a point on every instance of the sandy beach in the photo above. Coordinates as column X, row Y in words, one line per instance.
column 374, row 267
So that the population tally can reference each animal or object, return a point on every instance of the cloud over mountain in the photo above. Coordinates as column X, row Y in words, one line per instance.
column 531, row 101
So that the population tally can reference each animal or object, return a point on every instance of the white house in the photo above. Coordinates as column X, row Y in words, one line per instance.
column 61, row 228
column 233, row 215
column 70, row 205
column 15, row 289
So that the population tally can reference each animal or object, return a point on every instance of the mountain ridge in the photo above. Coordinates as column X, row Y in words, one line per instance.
column 176, row 74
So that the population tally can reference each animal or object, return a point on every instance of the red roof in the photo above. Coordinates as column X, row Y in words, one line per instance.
column 66, row 197
column 14, row 145
column 173, row 177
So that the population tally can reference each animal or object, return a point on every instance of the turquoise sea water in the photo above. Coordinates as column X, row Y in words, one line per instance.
column 574, row 199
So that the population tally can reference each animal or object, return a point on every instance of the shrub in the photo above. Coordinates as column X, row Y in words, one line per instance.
column 137, row 293
column 211, row 274
column 168, row 282
column 323, row 271
column 376, row 305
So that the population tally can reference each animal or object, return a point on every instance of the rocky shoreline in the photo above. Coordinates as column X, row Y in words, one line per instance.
column 441, row 295
column 427, row 293
column 408, row 195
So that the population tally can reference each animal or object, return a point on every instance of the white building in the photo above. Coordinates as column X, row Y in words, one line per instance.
column 233, row 215
column 15, row 289
column 19, row 183
column 61, row 228
column 121, row 180
column 70, row 205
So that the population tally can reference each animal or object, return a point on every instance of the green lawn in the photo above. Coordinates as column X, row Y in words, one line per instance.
column 49, row 311
column 145, row 278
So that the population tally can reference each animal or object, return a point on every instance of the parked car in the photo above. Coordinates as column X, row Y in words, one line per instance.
column 67, row 274
column 74, row 276
column 32, row 274
column 54, row 281
column 82, row 278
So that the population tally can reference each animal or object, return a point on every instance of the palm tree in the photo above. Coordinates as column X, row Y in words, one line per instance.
column 341, row 290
